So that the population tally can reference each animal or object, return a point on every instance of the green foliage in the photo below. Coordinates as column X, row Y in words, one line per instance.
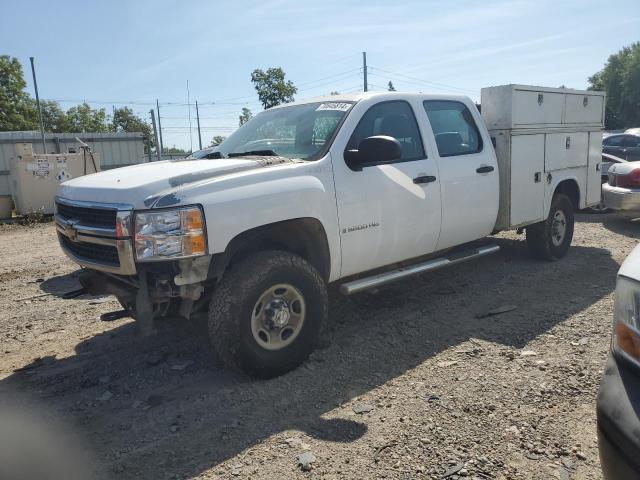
column 218, row 139
column 16, row 110
column 391, row 87
column 174, row 151
column 124, row 120
column 83, row 118
column 620, row 79
column 245, row 116
column 272, row 88
column 53, row 118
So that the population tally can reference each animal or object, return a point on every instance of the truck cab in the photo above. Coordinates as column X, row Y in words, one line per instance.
column 360, row 189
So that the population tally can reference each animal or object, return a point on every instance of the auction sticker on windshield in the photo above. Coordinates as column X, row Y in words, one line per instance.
column 339, row 106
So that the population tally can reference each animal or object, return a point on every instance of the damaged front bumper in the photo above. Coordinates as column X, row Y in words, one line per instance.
column 99, row 237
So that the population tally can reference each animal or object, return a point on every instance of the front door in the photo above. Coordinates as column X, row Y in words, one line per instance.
column 468, row 173
column 387, row 212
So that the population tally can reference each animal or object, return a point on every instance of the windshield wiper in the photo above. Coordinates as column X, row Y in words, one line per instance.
column 261, row 153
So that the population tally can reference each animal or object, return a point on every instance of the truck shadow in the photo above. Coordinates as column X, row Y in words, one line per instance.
column 63, row 286
column 164, row 406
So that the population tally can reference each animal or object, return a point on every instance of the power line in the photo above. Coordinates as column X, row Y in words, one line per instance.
column 442, row 86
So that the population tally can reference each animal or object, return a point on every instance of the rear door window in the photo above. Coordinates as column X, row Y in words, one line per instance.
column 454, row 128
column 630, row 141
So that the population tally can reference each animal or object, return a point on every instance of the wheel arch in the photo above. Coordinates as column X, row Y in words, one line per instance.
column 569, row 187
column 305, row 237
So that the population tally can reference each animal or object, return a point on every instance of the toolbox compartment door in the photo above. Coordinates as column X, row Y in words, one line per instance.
column 527, row 186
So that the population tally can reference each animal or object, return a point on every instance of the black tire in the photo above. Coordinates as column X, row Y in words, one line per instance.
column 542, row 241
column 232, row 308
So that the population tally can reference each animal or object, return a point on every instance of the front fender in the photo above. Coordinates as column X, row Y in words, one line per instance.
column 240, row 207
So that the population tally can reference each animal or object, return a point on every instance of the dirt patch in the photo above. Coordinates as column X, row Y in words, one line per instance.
column 433, row 377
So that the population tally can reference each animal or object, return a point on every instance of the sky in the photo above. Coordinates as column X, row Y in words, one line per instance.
column 118, row 52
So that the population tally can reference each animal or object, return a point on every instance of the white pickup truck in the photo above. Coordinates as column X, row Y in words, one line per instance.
column 359, row 189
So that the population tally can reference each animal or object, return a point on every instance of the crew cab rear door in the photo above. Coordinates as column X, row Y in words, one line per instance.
column 468, row 168
column 387, row 212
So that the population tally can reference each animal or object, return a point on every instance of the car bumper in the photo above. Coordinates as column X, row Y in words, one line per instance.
column 618, row 411
column 618, row 198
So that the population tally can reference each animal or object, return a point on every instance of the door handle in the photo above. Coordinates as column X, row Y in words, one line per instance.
column 484, row 169
column 424, row 179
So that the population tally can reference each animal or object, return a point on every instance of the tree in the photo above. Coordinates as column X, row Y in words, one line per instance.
column 245, row 116
column 174, row 151
column 218, row 139
column 124, row 120
column 53, row 118
column 16, row 110
column 620, row 79
column 83, row 118
column 391, row 87
column 272, row 88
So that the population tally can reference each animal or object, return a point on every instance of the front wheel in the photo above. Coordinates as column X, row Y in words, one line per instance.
column 267, row 313
column 551, row 239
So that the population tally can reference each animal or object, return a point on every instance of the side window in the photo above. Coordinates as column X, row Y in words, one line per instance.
column 454, row 128
column 395, row 119
column 613, row 141
column 631, row 141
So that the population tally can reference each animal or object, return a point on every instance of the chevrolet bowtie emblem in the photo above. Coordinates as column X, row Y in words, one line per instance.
column 70, row 230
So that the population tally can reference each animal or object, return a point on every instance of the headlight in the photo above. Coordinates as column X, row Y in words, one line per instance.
column 167, row 234
column 626, row 319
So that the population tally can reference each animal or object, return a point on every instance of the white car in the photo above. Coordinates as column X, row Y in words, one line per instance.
column 360, row 189
column 618, row 404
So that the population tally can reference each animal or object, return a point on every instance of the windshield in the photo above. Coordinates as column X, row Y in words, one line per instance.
column 299, row 131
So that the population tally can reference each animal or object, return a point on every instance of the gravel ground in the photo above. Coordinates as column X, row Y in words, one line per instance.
column 415, row 380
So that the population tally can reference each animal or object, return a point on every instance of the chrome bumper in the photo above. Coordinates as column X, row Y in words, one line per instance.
column 74, row 237
column 619, row 198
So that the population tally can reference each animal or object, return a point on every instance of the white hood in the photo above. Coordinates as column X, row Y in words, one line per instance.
column 141, row 185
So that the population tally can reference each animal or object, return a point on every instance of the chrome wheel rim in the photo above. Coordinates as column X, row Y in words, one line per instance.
column 278, row 316
column 558, row 228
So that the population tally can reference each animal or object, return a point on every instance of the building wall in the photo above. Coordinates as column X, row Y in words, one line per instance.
column 116, row 149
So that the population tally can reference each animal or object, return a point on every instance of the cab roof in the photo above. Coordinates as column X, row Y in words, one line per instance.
column 358, row 96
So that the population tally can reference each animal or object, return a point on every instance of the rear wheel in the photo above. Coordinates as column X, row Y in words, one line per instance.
column 267, row 313
column 551, row 239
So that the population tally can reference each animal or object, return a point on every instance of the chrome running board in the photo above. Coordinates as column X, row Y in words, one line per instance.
column 361, row 284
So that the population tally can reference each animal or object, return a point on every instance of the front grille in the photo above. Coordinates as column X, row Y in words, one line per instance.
column 93, row 252
column 90, row 217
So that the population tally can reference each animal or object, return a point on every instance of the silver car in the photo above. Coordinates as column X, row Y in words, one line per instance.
column 622, row 190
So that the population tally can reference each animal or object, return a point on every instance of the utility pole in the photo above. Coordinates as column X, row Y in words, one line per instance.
column 159, row 126
column 189, row 111
column 35, row 86
column 155, row 134
column 364, row 70
column 198, row 120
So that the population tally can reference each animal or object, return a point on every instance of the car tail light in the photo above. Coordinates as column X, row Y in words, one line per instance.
column 630, row 180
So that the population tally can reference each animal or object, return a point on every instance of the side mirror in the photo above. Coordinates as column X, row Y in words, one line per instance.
column 373, row 150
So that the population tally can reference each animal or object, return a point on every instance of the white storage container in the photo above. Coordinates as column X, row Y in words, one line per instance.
column 34, row 178
column 542, row 136
column 522, row 106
